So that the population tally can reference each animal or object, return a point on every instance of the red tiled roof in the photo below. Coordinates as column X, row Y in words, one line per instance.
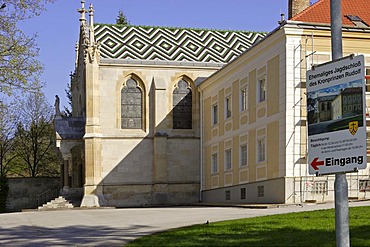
column 319, row 12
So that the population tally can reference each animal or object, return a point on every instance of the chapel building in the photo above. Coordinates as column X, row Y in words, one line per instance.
column 134, row 91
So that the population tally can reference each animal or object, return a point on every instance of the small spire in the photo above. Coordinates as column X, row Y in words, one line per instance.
column 91, row 10
column 76, row 54
column 82, row 11
column 91, row 24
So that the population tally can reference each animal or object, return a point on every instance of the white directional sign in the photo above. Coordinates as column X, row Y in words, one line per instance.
column 336, row 116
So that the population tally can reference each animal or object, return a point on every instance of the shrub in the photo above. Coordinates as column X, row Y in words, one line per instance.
column 4, row 189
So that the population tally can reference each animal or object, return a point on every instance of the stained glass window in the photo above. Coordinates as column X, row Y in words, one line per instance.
column 131, row 105
column 182, row 106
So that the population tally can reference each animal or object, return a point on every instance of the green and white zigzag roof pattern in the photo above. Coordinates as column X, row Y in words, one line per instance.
column 172, row 44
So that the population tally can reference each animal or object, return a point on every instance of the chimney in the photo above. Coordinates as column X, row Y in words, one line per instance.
column 296, row 6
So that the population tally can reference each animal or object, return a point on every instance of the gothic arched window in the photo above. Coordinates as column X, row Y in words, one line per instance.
column 131, row 105
column 182, row 106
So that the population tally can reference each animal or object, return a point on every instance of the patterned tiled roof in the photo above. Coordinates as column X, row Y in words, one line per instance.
column 319, row 12
column 172, row 44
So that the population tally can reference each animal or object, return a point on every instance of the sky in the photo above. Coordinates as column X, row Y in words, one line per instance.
column 58, row 27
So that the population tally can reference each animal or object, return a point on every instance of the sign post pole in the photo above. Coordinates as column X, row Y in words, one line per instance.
column 340, row 184
column 336, row 120
column 341, row 210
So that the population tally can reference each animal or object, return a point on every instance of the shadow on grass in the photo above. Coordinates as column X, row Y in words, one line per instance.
column 70, row 236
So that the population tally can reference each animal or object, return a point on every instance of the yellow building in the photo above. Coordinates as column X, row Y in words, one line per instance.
column 253, row 113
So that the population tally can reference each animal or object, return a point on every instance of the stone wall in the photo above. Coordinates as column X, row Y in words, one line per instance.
column 23, row 192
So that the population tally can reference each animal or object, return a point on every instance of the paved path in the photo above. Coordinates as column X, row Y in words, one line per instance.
column 114, row 227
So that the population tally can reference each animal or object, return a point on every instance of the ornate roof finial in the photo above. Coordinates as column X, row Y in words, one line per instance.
column 91, row 24
column 76, row 54
column 91, row 10
column 82, row 11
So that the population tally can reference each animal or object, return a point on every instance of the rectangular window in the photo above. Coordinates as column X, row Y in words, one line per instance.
column 244, row 99
column 320, row 187
column 261, row 90
column 243, row 155
column 243, row 193
column 367, row 81
column 227, row 195
column 364, row 185
column 214, row 114
column 261, row 149
column 228, row 107
column 261, row 191
column 228, row 159
column 214, row 163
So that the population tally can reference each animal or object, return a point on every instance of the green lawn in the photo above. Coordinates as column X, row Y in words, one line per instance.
column 315, row 228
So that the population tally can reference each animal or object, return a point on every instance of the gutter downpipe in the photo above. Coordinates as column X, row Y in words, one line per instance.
column 201, row 146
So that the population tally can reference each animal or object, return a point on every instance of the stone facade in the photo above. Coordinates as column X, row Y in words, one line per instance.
column 135, row 89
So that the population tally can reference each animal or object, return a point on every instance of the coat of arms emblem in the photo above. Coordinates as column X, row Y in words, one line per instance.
column 353, row 127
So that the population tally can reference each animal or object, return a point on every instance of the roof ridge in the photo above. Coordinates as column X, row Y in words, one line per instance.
column 181, row 28
column 158, row 43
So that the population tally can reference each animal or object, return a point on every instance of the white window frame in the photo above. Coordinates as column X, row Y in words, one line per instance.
column 261, row 149
column 228, row 159
column 214, row 163
column 214, row 114
column 367, row 81
column 228, row 107
column 227, row 195
column 261, row 89
column 243, row 193
column 244, row 99
column 261, row 191
column 243, row 156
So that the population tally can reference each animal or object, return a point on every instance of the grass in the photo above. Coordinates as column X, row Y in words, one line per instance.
column 316, row 228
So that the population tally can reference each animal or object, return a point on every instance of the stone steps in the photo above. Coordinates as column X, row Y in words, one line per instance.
column 58, row 203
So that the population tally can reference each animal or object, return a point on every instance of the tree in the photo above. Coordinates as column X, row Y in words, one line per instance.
column 34, row 136
column 67, row 112
column 8, row 124
column 4, row 188
column 19, row 68
column 122, row 19
column 8, row 120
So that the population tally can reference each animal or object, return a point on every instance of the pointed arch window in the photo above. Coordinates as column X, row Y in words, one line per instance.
column 182, row 106
column 131, row 105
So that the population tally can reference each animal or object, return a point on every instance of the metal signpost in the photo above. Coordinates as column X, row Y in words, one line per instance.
column 336, row 120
